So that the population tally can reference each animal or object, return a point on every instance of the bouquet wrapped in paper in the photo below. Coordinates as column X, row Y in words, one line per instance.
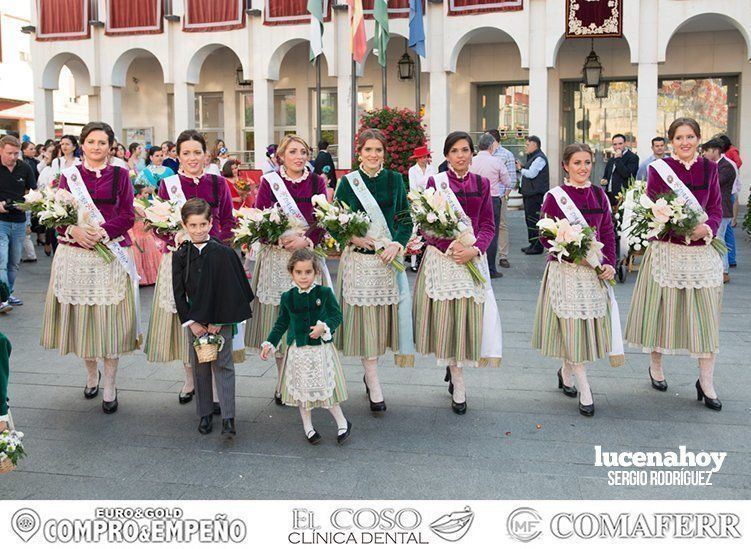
column 339, row 221
column 55, row 207
column 669, row 214
column 163, row 218
column 242, row 185
column 328, row 246
column 435, row 217
column 573, row 242
column 266, row 226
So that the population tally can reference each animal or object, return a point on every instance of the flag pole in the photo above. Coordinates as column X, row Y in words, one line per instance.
column 354, row 108
column 384, row 86
column 417, row 85
column 318, row 100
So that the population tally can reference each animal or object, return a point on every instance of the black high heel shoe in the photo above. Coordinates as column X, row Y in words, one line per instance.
column 278, row 399
column 374, row 406
column 659, row 385
column 587, row 409
column 711, row 403
column 569, row 391
column 111, row 406
column 91, row 392
column 447, row 377
column 184, row 398
column 459, row 408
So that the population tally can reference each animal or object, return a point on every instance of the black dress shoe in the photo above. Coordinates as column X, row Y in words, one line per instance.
column 413, row 269
column 206, row 424
column 587, row 409
column 91, row 392
column 503, row 263
column 345, row 435
column 711, row 403
column 459, row 408
column 184, row 398
column 447, row 377
column 228, row 428
column 374, row 406
column 110, row 407
column 659, row 385
column 313, row 437
column 569, row 391
column 278, row 399
column 525, row 250
column 216, row 409
column 534, row 251
column 496, row 275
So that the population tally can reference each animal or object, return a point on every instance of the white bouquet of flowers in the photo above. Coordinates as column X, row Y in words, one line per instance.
column 266, row 226
column 635, row 237
column 11, row 449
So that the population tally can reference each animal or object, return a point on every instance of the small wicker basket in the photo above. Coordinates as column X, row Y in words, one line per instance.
column 207, row 350
column 6, row 465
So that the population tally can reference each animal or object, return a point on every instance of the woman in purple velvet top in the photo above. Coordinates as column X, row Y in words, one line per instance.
column 677, row 300
column 449, row 306
column 166, row 339
column 573, row 320
column 91, row 306
column 293, row 185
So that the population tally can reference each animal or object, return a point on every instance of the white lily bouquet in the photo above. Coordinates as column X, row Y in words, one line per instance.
column 670, row 214
column 163, row 218
column 339, row 221
column 573, row 242
column 636, row 236
column 11, row 449
column 58, row 207
column 266, row 226
column 435, row 217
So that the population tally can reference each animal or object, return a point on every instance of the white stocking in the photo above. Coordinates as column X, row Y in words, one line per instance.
column 307, row 421
column 371, row 379
column 457, row 378
column 279, row 367
column 188, row 385
column 341, row 421
column 585, row 392
column 110, row 375
column 566, row 372
column 706, row 374
column 92, row 376
column 655, row 366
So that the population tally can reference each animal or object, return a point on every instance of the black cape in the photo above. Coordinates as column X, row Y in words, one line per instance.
column 210, row 287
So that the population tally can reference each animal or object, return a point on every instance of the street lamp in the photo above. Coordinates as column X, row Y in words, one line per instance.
column 240, row 78
column 601, row 91
column 406, row 67
column 592, row 69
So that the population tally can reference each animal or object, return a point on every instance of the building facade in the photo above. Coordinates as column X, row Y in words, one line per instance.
column 514, row 70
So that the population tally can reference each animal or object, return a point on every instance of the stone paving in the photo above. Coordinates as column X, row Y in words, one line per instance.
column 520, row 439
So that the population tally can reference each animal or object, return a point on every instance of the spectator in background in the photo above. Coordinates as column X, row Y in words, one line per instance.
column 135, row 162
column 66, row 158
column 115, row 159
column 240, row 197
column 510, row 161
column 28, row 152
column 494, row 169
column 659, row 149
column 170, row 157
column 713, row 150
column 733, row 155
column 324, row 164
column 621, row 167
column 270, row 164
column 534, row 184
column 16, row 179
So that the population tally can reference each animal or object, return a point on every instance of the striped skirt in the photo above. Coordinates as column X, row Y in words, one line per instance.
column 166, row 339
column 88, row 331
column 313, row 377
column 679, row 321
column 573, row 339
column 449, row 329
column 367, row 331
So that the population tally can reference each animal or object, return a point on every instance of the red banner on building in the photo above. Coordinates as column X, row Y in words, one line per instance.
column 594, row 18
column 471, row 7
column 213, row 15
column 397, row 8
column 128, row 17
column 63, row 20
column 291, row 12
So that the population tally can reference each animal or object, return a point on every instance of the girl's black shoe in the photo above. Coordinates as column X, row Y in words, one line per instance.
column 587, row 409
column 110, row 407
column 278, row 399
column 568, row 391
column 711, row 403
column 91, row 392
column 184, row 398
column 313, row 437
column 659, row 385
column 459, row 408
column 345, row 435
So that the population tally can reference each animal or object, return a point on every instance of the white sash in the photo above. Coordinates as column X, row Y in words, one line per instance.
column 380, row 232
column 284, row 198
column 175, row 190
column 492, row 332
column 574, row 215
column 672, row 180
column 83, row 198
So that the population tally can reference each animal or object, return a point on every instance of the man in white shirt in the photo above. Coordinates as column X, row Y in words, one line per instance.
column 509, row 160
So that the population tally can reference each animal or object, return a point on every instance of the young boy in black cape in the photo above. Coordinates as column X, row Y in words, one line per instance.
column 212, row 296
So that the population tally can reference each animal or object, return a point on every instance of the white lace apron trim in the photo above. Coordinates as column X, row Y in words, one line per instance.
column 81, row 277
column 367, row 281
column 166, row 295
column 310, row 374
column 576, row 291
column 273, row 277
column 679, row 266
column 446, row 280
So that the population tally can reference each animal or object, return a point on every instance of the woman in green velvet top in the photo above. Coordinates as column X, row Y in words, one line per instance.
column 372, row 294
column 312, row 375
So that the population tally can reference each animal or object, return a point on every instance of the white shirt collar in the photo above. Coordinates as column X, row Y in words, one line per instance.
column 688, row 165
column 310, row 289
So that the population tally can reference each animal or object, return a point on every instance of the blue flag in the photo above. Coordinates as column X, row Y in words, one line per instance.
column 416, row 28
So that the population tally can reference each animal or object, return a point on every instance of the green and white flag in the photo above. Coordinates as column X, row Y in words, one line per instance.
column 381, row 16
column 315, row 9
